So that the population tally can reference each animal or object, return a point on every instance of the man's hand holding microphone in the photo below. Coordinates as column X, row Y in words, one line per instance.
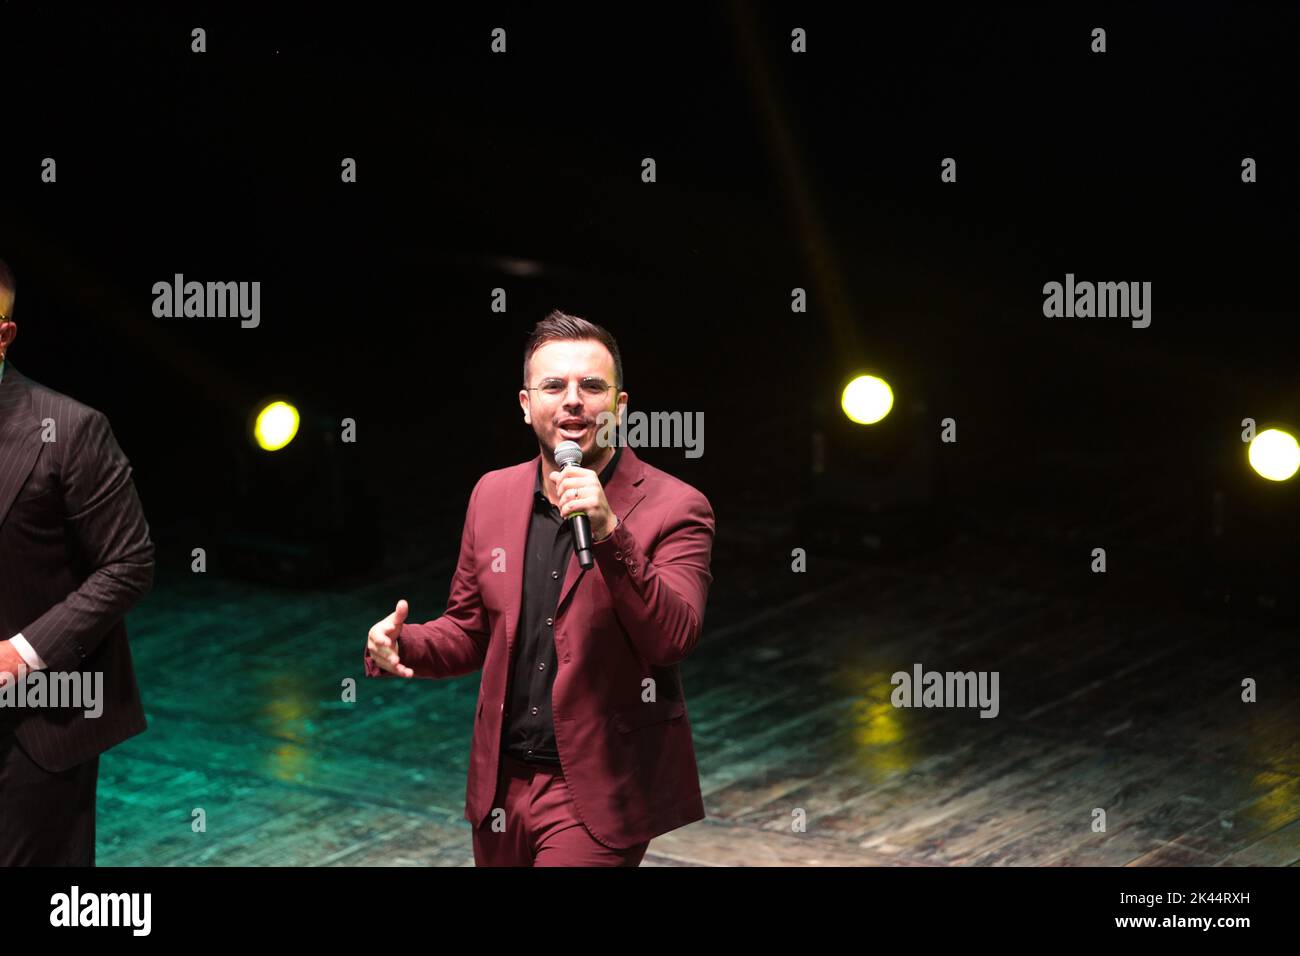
column 581, row 499
column 381, row 643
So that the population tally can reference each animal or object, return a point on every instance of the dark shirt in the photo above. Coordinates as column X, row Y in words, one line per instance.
column 529, row 731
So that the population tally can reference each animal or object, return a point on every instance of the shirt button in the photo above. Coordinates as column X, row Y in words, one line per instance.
column 534, row 711
column 530, row 753
column 555, row 574
column 618, row 555
column 541, row 666
column 548, row 622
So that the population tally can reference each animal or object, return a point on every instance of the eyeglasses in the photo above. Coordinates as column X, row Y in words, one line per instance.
column 589, row 387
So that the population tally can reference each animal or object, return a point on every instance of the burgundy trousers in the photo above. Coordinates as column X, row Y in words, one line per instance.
column 540, row 825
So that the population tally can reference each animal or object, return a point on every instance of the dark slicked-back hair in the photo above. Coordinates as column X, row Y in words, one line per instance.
column 560, row 326
column 7, row 281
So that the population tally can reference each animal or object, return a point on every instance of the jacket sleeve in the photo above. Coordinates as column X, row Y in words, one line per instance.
column 457, row 642
column 106, row 524
column 660, row 603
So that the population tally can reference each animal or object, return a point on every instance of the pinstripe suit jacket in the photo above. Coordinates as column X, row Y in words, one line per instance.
column 75, row 555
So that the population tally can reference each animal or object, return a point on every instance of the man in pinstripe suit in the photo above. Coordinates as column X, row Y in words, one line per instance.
column 75, row 555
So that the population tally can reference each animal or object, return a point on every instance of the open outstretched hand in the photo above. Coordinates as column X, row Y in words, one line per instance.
column 382, row 645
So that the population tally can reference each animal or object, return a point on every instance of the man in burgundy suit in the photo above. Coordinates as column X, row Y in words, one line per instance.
column 582, row 747
column 75, row 555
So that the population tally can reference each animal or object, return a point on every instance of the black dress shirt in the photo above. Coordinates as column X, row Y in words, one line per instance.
column 529, row 731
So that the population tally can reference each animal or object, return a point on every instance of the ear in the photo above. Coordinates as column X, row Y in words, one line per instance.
column 523, row 403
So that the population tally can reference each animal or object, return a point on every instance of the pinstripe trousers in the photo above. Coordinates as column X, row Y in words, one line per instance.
column 46, row 819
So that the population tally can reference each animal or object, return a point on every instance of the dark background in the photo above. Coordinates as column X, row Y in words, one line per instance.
column 775, row 170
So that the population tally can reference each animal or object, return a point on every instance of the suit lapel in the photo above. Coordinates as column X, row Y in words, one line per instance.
column 516, row 515
column 20, row 437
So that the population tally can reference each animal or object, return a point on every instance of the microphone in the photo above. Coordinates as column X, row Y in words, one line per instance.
column 569, row 453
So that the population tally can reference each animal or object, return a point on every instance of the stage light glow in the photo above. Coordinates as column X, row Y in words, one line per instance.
column 1274, row 454
column 276, row 426
column 867, row 399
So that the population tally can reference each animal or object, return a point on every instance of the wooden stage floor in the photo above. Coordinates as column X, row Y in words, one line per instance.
column 1125, row 697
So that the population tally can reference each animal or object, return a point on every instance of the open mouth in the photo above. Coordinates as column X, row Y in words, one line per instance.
column 573, row 429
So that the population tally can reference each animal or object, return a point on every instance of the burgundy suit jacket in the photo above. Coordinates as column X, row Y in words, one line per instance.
column 635, row 614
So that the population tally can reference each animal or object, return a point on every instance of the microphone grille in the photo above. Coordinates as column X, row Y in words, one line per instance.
column 568, row 453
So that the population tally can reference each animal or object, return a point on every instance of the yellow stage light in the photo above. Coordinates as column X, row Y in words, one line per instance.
column 277, row 424
column 1274, row 454
column 867, row 399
